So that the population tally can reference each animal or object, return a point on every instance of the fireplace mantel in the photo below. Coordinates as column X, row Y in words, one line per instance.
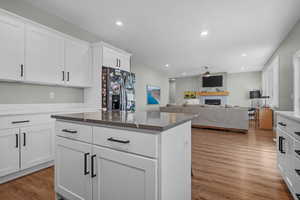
column 224, row 93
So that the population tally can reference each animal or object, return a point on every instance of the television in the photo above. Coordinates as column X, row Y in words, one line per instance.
column 255, row 94
column 212, row 81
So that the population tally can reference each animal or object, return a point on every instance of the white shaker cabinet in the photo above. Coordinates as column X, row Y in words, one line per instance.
column 115, row 58
column 118, row 164
column 110, row 58
column 36, row 144
column 33, row 53
column 11, row 48
column 72, row 169
column 119, row 175
column 44, row 55
column 124, row 62
column 26, row 145
column 77, row 63
column 288, row 150
column 9, row 151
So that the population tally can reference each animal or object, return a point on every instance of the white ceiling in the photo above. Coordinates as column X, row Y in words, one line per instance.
column 160, row 32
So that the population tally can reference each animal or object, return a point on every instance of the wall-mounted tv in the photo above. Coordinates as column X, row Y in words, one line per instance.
column 212, row 81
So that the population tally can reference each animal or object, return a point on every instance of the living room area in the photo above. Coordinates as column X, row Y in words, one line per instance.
column 226, row 101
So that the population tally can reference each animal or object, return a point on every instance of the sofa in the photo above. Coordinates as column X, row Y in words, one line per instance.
column 216, row 117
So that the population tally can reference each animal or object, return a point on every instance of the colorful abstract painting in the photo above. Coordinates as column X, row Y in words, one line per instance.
column 153, row 95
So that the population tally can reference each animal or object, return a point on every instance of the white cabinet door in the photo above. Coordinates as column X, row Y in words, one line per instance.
column 281, row 156
column 123, row 176
column 9, row 151
column 285, row 155
column 110, row 58
column 125, row 62
column 11, row 48
column 78, row 63
column 36, row 144
column 72, row 169
column 44, row 56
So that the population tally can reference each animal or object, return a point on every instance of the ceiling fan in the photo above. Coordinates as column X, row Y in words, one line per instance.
column 206, row 73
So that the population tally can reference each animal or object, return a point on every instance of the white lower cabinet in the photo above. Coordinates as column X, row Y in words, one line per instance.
column 119, row 164
column 85, row 172
column 36, row 144
column 9, row 151
column 72, row 169
column 118, row 175
column 288, row 153
column 25, row 149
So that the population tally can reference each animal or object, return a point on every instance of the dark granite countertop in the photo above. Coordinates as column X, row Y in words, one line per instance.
column 150, row 120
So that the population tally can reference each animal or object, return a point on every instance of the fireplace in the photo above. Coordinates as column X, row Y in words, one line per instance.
column 213, row 101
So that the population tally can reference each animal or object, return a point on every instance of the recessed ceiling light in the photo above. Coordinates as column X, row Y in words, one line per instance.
column 204, row 33
column 243, row 68
column 244, row 55
column 119, row 23
column 167, row 65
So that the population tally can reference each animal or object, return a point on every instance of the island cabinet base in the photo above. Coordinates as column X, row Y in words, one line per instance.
column 288, row 151
column 99, row 163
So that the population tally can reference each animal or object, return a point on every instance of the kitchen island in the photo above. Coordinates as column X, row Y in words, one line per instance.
column 123, row 156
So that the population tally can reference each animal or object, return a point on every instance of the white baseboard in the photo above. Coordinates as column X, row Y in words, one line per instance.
column 25, row 172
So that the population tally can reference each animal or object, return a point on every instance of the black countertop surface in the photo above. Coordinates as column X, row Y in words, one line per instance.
column 149, row 120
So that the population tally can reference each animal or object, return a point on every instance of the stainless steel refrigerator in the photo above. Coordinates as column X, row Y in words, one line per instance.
column 118, row 90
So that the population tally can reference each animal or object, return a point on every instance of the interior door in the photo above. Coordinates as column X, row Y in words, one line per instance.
column 77, row 62
column 123, row 176
column 9, row 151
column 44, row 56
column 36, row 145
column 11, row 48
column 72, row 169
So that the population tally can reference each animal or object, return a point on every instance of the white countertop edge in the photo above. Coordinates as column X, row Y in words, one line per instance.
column 289, row 114
column 26, row 109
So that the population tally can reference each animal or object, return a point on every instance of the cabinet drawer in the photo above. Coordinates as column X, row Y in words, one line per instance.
column 23, row 120
column 290, row 126
column 74, row 131
column 129, row 141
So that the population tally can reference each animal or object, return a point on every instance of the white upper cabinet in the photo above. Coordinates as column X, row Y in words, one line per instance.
column 44, row 55
column 11, row 48
column 115, row 59
column 124, row 61
column 33, row 53
column 110, row 58
column 77, row 63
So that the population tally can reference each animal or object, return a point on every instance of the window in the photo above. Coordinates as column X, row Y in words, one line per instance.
column 270, row 82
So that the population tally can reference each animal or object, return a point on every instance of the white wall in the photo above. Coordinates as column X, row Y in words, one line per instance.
column 289, row 46
column 144, row 76
column 194, row 83
column 239, row 85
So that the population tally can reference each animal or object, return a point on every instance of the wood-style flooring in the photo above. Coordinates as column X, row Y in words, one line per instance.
column 226, row 166
column 236, row 166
